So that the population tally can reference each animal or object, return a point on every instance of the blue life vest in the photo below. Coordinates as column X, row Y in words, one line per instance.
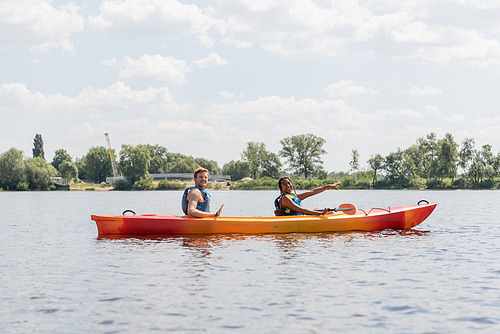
column 202, row 206
column 287, row 211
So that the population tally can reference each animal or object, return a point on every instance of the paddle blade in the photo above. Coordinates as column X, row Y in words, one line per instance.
column 347, row 208
column 217, row 214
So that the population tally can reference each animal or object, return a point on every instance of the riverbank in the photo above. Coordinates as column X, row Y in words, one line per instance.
column 107, row 187
column 90, row 187
column 271, row 184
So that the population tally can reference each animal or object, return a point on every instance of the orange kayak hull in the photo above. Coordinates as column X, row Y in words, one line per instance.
column 398, row 218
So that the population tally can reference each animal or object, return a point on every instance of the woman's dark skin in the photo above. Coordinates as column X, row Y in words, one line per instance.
column 286, row 187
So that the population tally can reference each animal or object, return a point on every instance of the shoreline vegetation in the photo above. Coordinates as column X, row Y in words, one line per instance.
column 258, row 184
column 430, row 163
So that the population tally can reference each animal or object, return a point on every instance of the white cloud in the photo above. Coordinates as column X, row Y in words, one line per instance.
column 303, row 26
column 116, row 96
column 226, row 94
column 257, row 6
column 37, row 25
column 156, row 67
column 346, row 87
column 274, row 109
column 297, row 26
column 426, row 91
column 455, row 118
column 159, row 68
column 452, row 45
column 433, row 110
column 277, row 26
column 139, row 19
column 485, row 122
column 323, row 130
column 237, row 43
column 478, row 4
column 212, row 60
column 401, row 112
column 229, row 95
column 35, row 61
column 110, row 62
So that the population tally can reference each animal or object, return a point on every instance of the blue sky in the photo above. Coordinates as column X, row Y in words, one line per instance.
column 205, row 77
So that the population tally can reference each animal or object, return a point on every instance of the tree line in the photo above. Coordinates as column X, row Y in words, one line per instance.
column 430, row 162
column 434, row 163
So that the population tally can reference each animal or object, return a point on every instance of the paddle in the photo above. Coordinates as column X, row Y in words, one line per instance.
column 217, row 214
column 348, row 209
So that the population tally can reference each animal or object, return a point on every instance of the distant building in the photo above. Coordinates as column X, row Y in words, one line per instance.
column 57, row 180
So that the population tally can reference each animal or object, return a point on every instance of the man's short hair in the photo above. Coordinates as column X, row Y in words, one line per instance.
column 200, row 170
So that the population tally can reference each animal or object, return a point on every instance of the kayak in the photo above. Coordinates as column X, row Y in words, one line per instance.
column 398, row 218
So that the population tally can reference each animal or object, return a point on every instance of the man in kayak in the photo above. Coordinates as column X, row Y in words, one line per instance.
column 196, row 200
column 289, row 204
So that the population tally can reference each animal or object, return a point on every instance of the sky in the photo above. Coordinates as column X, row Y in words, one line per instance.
column 203, row 78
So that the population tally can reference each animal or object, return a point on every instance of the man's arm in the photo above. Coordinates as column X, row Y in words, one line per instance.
column 193, row 198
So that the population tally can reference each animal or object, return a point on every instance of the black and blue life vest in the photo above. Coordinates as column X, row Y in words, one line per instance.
column 287, row 211
column 202, row 206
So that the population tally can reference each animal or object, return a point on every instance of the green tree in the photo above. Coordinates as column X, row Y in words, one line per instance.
column 487, row 155
column 400, row 169
column 375, row 164
column 159, row 159
column 39, row 174
column 60, row 156
column 466, row 154
column 417, row 154
column 184, row 165
column 446, row 160
column 172, row 159
column 97, row 164
column 68, row 171
column 12, row 169
column 490, row 162
column 167, row 185
column 496, row 163
column 134, row 162
column 354, row 163
column 430, row 156
column 144, row 183
column 211, row 165
column 38, row 147
column 466, row 157
column 303, row 153
column 261, row 162
column 270, row 165
column 237, row 169
column 393, row 167
column 477, row 169
column 80, row 164
column 427, row 154
column 320, row 173
column 252, row 156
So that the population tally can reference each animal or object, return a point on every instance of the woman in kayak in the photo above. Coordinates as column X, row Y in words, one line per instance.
column 288, row 203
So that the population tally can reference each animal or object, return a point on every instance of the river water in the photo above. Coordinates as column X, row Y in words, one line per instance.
column 58, row 276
